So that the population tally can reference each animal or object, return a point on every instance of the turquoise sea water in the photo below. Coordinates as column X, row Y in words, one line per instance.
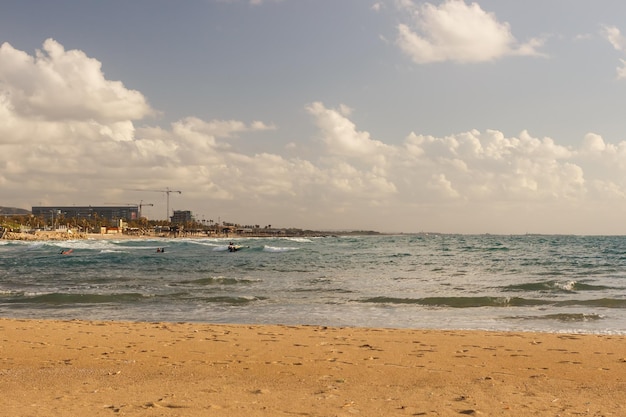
column 537, row 283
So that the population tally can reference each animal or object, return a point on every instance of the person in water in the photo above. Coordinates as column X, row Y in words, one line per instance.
column 67, row 252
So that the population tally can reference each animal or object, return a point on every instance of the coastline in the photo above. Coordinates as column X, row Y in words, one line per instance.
column 63, row 235
column 97, row 368
column 134, row 233
column 60, row 236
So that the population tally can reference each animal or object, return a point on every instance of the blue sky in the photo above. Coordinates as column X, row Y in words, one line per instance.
column 449, row 116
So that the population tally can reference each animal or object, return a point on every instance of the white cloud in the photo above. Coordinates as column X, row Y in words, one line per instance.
column 593, row 144
column 618, row 41
column 65, row 85
column 440, row 184
column 621, row 71
column 341, row 136
column 489, row 166
column 354, row 180
column 456, row 31
column 615, row 38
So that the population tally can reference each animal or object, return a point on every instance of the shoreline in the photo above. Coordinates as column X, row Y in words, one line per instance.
column 99, row 368
column 63, row 236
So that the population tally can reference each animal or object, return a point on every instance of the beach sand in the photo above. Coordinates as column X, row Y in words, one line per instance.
column 80, row 368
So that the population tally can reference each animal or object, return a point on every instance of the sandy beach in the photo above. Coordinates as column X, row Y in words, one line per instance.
column 72, row 368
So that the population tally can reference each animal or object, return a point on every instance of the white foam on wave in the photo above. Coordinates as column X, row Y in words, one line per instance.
column 104, row 246
column 299, row 239
column 84, row 244
column 35, row 245
column 205, row 241
column 567, row 286
column 275, row 249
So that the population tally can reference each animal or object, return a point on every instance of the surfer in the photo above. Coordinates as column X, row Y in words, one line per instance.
column 67, row 252
column 231, row 247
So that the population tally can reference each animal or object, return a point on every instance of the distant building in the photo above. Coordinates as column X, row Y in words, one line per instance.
column 108, row 213
column 181, row 217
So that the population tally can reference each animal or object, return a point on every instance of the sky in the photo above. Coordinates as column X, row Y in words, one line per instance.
column 491, row 116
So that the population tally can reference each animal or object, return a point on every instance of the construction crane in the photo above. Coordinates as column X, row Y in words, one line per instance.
column 140, row 205
column 167, row 192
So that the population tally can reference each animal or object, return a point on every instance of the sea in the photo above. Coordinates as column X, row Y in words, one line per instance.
column 558, row 284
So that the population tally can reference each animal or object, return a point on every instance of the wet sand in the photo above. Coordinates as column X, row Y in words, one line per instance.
column 80, row 368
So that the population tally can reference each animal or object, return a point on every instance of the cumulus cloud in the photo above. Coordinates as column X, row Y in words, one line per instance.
column 614, row 36
column 57, row 84
column 341, row 136
column 490, row 166
column 355, row 179
column 618, row 41
column 378, row 6
column 456, row 31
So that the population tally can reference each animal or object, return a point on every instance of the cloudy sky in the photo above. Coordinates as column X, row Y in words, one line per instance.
column 494, row 116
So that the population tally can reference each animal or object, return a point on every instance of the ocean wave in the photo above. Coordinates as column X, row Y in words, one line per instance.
column 564, row 317
column 597, row 302
column 459, row 302
column 299, row 239
column 232, row 300
column 205, row 241
column 219, row 299
column 73, row 298
column 218, row 281
column 473, row 302
column 276, row 249
column 224, row 248
column 404, row 281
column 569, row 286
